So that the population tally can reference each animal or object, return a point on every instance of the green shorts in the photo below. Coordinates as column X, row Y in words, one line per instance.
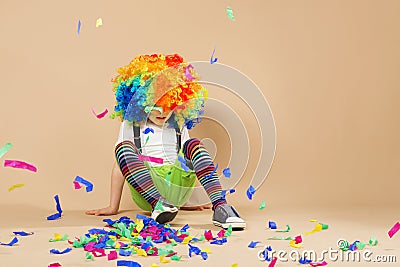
column 172, row 182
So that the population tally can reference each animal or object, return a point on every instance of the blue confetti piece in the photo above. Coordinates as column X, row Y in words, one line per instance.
column 55, row 216
column 56, row 251
column 224, row 192
column 22, row 233
column 219, row 241
column 204, row 255
column 265, row 253
column 250, row 192
column 253, row 244
column 89, row 185
column 58, row 208
column 272, row 225
column 193, row 249
column 13, row 241
column 184, row 228
column 125, row 253
column 227, row 172
column 212, row 59
column 183, row 163
column 148, row 130
column 79, row 27
column 141, row 217
column 212, row 173
column 109, row 221
column 304, row 261
column 128, row 264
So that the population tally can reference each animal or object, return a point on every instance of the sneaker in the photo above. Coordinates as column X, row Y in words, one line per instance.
column 164, row 212
column 225, row 215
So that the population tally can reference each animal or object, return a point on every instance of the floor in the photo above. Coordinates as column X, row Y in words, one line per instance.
column 350, row 224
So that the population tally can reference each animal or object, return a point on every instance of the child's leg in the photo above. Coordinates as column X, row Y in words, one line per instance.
column 135, row 172
column 203, row 166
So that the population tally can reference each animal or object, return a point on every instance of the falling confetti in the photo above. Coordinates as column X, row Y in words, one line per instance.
column 5, row 148
column 229, row 12
column 79, row 27
column 15, row 186
column 212, row 59
column 99, row 22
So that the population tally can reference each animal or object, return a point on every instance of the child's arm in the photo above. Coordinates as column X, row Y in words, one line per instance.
column 117, row 184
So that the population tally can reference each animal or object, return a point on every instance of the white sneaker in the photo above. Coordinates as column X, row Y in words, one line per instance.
column 164, row 212
column 225, row 215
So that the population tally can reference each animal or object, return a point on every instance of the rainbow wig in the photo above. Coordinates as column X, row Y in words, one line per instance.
column 159, row 82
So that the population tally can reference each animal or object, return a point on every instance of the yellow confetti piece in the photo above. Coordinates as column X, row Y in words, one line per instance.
column 139, row 225
column 117, row 245
column 206, row 249
column 234, row 265
column 186, row 240
column 99, row 22
column 292, row 243
column 15, row 186
column 313, row 220
column 317, row 228
column 154, row 265
column 141, row 252
column 123, row 238
column 162, row 260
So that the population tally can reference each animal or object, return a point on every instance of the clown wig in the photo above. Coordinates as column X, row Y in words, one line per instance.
column 159, row 81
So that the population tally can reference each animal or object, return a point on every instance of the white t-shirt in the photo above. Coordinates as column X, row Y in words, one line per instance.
column 161, row 144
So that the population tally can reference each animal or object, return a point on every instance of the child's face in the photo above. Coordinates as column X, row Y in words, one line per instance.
column 158, row 118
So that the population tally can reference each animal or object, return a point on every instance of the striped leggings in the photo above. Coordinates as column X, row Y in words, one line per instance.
column 137, row 175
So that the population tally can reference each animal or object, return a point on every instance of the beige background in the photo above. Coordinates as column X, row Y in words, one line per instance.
column 329, row 70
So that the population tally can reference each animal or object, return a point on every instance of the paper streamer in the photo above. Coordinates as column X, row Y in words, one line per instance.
column 250, row 192
column 394, row 229
column 99, row 22
column 284, row 231
column 280, row 238
column 86, row 183
column 5, row 148
column 227, row 172
column 212, row 59
column 15, row 186
column 150, row 159
column 56, row 251
column 100, row 115
column 12, row 242
column 22, row 233
column 20, row 165
column 58, row 208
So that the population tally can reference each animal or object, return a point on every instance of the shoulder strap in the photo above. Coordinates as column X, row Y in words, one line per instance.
column 136, row 137
column 178, row 139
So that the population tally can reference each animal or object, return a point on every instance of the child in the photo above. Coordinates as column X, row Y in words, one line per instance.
column 158, row 95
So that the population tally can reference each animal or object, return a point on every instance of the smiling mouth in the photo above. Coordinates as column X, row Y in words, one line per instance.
column 161, row 118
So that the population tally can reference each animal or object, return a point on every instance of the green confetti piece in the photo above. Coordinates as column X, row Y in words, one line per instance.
column 149, row 239
column 262, row 206
column 150, row 252
column 77, row 244
column 147, row 140
column 280, row 238
column 162, row 252
column 228, row 231
column 324, row 226
column 168, row 179
column 284, row 231
column 89, row 256
column 360, row 245
column 229, row 12
column 373, row 241
column 110, row 243
column 5, row 148
column 176, row 258
column 169, row 246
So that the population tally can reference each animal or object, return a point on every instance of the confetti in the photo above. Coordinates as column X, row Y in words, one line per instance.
column 284, row 231
column 56, row 264
column 313, row 220
column 59, row 210
column 212, row 59
column 56, row 251
column 250, row 192
column 15, row 186
column 235, row 265
column 99, row 22
column 77, row 185
column 272, row 225
column 79, row 27
column 208, row 235
column 128, row 263
column 262, row 205
column 183, row 163
column 5, row 148
column 204, row 255
column 279, row 238
column 229, row 12
column 315, row 264
column 162, row 260
column 253, row 244
column 273, row 262
column 58, row 237
column 148, row 130
column 100, row 115
column 112, row 255
column 22, row 233
column 304, row 261
column 213, row 171
column 373, row 241
column 317, row 228
column 150, row 159
column 298, row 239
column 187, row 73
column 20, row 165
column 293, row 243
column 223, row 192
column 394, row 229
column 89, row 185
column 12, row 242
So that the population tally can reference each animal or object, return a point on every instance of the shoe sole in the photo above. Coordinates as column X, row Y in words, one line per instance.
column 166, row 216
column 235, row 225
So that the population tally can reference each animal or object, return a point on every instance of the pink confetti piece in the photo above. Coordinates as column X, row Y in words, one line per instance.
column 77, row 185
column 221, row 233
column 150, row 159
column 56, row 264
column 273, row 262
column 208, row 235
column 394, row 229
column 19, row 165
column 98, row 252
column 101, row 115
column 112, row 255
column 187, row 72
column 315, row 264
column 298, row 239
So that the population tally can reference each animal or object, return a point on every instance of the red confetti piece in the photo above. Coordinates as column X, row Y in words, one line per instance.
column 19, row 165
column 101, row 115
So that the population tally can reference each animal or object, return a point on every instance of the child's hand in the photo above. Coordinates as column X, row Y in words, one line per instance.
column 104, row 211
